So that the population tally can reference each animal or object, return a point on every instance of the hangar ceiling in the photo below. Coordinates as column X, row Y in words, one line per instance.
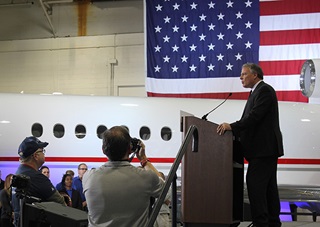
column 39, row 19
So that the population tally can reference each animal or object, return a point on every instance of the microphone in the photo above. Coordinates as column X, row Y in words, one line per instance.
column 204, row 117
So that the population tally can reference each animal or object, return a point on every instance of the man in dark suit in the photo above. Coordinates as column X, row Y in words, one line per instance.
column 261, row 140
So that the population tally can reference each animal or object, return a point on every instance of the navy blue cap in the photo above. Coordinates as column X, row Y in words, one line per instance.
column 30, row 145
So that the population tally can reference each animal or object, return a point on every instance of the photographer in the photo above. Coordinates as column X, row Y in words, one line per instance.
column 118, row 193
column 32, row 157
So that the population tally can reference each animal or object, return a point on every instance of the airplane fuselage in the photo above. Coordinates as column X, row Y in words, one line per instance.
column 72, row 124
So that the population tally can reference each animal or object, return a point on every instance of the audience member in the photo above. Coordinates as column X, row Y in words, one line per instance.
column 59, row 185
column 32, row 156
column 73, row 196
column 70, row 172
column 1, row 181
column 163, row 219
column 5, row 199
column 45, row 171
column 118, row 193
column 77, row 183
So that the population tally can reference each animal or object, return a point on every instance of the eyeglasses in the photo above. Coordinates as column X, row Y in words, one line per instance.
column 82, row 169
column 43, row 151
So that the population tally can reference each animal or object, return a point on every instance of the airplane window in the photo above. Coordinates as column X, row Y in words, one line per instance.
column 80, row 131
column 308, row 78
column 145, row 133
column 36, row 130
column 100, row 130
column 166, row 133
column 58, row 130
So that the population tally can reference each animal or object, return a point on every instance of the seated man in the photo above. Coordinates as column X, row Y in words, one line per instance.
column 32, row 157
column 118, row 193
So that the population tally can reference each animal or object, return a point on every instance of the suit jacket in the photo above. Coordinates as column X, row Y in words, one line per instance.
column 258, row 128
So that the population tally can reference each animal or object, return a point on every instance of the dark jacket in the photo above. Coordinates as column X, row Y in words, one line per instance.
column 75, row 199
column 258, row 128
column 6, row 210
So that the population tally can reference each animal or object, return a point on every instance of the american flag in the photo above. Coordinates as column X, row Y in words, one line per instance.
column 195, row 48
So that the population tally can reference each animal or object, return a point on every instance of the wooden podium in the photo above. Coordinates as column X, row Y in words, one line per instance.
column 212, row 177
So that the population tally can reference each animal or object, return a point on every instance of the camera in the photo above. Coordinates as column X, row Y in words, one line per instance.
column 134, row 145
column 20, row 181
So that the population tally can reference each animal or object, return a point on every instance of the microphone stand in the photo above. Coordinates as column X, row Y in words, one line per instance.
column 204, row 117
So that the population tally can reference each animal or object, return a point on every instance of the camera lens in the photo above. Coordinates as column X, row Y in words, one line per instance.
column 134, row 144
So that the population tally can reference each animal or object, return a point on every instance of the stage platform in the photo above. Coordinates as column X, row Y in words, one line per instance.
column 284, row 224
column 290, row 224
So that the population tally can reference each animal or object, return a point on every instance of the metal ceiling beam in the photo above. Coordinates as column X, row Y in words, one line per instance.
column 45, row 10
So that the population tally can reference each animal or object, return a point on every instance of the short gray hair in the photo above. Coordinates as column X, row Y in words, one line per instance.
column 255, row 69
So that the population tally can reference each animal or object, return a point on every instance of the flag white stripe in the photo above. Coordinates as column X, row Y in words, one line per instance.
column 283, row 83
column 289, row 52
column 217, row 85
column 289, row 22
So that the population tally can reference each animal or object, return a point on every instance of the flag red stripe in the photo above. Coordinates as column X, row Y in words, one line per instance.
column 291, row 161
column 290, row 37
column 239, row 95
column 281, row 67
column 291, row 96
column 289, row 7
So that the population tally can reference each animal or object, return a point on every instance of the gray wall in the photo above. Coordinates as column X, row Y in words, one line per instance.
column 81, row 48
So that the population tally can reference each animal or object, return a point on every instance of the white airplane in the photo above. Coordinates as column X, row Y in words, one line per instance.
column 72, row 126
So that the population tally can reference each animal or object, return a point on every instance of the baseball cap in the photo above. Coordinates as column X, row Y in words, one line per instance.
column 30, row 145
